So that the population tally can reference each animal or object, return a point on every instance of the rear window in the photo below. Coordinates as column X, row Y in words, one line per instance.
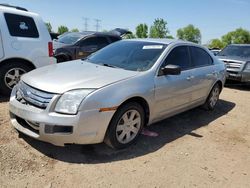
column 21, row 26
column 114, row 39
column 70, row 38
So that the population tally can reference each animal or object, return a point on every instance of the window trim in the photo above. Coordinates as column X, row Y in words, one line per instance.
column 191, row 57
column 174, row 47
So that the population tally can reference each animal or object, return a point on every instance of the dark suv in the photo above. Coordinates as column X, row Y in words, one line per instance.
column 237, row 59
column 77, row 45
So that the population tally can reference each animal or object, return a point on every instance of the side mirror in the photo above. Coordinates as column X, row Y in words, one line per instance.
column 171, row 70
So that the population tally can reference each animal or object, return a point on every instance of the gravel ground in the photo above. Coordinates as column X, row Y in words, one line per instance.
column 194, row 149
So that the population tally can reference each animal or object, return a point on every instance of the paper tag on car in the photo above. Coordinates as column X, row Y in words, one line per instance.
column 152, row 47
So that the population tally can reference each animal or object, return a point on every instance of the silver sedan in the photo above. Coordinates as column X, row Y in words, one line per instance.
column 114, row 93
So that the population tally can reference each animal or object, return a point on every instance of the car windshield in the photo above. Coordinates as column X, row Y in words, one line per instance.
column 70, row 38
column 241, row 51
column 129, row 55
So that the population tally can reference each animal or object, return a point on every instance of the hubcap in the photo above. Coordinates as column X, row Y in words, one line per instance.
column 128, row 126
column 214, row 97
column 12, row 77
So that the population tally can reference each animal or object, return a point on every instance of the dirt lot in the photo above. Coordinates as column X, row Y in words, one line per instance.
column 194, row 149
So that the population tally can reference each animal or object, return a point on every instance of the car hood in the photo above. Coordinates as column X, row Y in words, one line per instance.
column 233, row 58
column 63, row 77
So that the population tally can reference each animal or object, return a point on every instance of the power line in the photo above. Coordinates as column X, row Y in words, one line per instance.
column 97, row 26
column 86, row 23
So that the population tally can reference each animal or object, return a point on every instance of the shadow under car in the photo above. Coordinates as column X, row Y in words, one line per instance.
column 169, row 130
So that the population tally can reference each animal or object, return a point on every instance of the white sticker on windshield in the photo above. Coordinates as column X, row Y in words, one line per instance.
column 152, row 47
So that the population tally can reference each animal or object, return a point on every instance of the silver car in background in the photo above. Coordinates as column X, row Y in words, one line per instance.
column 112, row 94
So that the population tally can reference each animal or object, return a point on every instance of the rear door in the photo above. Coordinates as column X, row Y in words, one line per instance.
column 204, row 74
column 89, row 45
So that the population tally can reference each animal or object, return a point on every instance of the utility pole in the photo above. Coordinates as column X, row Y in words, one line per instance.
column 97, row 26
column 86, row 23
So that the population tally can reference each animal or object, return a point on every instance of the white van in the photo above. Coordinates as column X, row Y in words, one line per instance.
column 25, row 44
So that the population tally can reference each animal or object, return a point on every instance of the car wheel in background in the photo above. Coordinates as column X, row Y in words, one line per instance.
column 10, row 74
column 125, row 126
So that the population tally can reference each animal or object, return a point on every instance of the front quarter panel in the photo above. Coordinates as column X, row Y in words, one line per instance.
column 115, row 94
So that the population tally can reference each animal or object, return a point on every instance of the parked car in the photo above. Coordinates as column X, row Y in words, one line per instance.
column 115, row 92
column 237, row 60
column 215, row 51
column 25, row 44
column 77, row 45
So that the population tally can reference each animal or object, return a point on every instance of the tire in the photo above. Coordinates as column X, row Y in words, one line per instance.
column 213, row 97
column 121, row 135
column 10, row 74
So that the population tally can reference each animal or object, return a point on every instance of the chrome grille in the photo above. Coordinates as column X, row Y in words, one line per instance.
column 29, row 95
column 233, row 64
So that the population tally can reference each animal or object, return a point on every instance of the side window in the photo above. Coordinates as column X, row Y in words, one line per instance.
column 178, row 56
column 21, row 26
column 200, row 57
column 99, row 42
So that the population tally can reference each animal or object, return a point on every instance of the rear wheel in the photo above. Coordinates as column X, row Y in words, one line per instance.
column 10, row 75
column 125, row 126
column 213, row 97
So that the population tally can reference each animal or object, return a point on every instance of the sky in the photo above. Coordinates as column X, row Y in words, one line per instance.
column 214, row 18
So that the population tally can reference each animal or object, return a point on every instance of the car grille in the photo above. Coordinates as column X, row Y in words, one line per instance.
column 233, row 65
column 29, row 95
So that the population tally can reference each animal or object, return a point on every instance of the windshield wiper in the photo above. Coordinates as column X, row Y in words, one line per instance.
column 108, row 65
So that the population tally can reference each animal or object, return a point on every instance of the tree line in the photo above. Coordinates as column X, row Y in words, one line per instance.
column 190, row 33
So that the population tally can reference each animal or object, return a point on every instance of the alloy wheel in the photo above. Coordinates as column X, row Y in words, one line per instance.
column 128, row 126
column 12, row 77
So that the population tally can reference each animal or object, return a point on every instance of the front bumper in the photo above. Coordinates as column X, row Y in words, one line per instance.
column 86, row 127
column 238, row 76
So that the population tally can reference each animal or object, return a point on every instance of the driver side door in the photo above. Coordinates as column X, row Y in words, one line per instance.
column 173, row 93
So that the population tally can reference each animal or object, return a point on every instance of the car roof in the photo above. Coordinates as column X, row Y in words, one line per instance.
column 96, row 33
column 239, row 44
column 162, row 41
column 17, row 10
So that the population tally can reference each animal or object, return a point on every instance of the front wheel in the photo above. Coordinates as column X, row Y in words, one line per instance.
column 10, row 75
column 125, row 126
column 213, row 97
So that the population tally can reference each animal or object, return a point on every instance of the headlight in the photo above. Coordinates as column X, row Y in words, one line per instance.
column 247, row 67
column 69, row 102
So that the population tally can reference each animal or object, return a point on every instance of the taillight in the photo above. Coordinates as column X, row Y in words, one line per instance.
column 50, row 48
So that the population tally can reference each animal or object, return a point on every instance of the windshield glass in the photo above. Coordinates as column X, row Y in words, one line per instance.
column 70, row 38
column 129, row 55
column 242, row 51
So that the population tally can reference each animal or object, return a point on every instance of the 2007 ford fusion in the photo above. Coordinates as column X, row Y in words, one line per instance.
column 115, row 92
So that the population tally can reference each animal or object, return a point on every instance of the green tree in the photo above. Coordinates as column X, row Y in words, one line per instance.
column 239, row 36
column 170, row 37
column 216, row 43
column 159, row 29
column 49, row 26
column 74, row 30
column 189, row 33
column 129, row 36
column 142, row 31
column 62, row 29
